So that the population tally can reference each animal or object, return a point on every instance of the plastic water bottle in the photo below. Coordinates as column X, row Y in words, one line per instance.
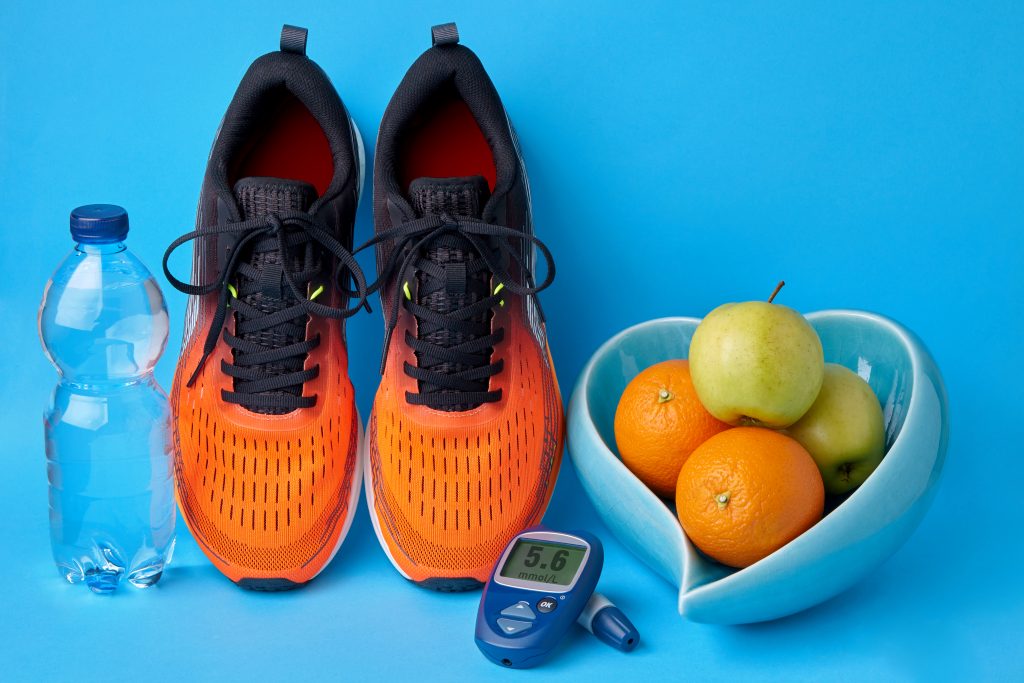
column 103, row 324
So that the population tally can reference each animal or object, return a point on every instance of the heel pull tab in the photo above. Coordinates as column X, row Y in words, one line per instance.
column 293, row 39
column 444, row 34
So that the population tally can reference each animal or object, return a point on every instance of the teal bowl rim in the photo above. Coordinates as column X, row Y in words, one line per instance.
column 690, row 586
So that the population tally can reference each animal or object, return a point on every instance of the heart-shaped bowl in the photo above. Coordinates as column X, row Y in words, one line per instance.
column 850, row 541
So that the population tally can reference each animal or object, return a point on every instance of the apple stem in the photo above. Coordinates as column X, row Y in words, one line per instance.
column 778, row 287
column 664, row 395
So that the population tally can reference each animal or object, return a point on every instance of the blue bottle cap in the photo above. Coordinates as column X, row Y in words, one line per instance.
column 98, row 223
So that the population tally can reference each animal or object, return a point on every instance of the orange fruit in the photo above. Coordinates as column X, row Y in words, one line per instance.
column 745, row 493
column 658, row 423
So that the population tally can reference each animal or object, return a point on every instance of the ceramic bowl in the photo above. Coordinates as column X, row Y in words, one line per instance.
column 845, row 545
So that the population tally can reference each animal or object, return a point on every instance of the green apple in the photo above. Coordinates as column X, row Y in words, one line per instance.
column 756, row 363
column 843, row 431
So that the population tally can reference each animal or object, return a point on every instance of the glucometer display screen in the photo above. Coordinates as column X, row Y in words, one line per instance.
column 543, row 562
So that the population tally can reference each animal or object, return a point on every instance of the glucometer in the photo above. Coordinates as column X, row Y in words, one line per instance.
column 544, row 583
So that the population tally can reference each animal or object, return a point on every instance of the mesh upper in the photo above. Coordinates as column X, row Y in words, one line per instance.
column 450, row 493
column 270, row 501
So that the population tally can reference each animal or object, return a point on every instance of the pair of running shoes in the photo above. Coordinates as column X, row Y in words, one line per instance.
column 464, row 442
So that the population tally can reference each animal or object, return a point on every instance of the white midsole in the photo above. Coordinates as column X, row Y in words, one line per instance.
column 353, row 497
column 361, row 153
column 368, row 473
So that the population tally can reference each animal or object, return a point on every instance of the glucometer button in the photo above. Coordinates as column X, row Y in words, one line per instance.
column 519, row 610
column 545, row 605
column 511, row 626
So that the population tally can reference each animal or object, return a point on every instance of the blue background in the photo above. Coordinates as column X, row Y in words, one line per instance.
column 681, row 156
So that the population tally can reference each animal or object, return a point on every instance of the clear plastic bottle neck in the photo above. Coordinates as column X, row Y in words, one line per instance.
column 100, row 248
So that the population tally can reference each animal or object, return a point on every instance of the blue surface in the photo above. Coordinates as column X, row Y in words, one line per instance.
column 680, row 157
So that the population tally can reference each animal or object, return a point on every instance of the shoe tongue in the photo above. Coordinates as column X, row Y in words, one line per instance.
column 258, row 196
column 457, row 197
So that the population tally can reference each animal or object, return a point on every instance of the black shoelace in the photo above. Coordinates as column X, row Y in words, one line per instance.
column 454, row 372
column 287, row 232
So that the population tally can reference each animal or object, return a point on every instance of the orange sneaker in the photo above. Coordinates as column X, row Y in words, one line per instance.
column 465, row 437
column 264, row 425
